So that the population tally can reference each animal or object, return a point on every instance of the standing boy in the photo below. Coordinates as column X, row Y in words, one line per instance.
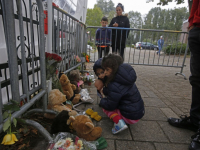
column 103, row 38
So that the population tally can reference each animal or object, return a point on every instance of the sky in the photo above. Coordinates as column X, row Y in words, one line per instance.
column 140, row 5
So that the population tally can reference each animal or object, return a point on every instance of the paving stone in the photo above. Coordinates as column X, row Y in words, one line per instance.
column 152, row 113
column 81, row 107
column 153, row 102
column 143, row 94
column 107, row 125
column 92, row 91
column 176, row 110
column 131, row 145
column 166, row 146
column 176, row 135
column 148, row 131
column 167, row 102
column 184, row 108
column 168, row 112
column 181, row 101
column 94, row 97
column 111, row 145
column 151, row 94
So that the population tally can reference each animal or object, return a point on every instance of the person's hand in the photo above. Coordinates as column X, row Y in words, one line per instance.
column 101, row 91
column 115, row 24
column 190, row 28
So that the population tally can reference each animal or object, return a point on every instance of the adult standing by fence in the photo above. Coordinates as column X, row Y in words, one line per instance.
column 119, row 36
column 160, row 44
column 193, row 121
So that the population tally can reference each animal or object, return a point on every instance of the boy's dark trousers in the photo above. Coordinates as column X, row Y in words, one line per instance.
column 194, row 45
column 100, row 49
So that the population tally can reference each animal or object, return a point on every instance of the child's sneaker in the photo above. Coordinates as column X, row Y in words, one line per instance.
column 119, row 127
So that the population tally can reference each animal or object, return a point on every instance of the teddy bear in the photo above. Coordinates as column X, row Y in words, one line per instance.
column 59, row 123
column 74, row 77
column 85, row 128
column 55, row 102
column 68, row 89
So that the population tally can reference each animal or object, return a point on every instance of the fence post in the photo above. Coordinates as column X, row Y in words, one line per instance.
column 1, row 106
column 11, row 48
column 42, row 52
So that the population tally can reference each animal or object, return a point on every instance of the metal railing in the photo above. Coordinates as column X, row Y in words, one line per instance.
column 68, row 39
column 145, row 52
column 23, row 78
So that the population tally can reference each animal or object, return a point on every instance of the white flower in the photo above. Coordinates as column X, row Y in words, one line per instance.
column 71, row 148
column 59, row 143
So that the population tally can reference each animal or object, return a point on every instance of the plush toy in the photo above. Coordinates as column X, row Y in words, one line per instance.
column 85, row 128
column 56, row 100
column 68, row 89
column 74, row 77
column 93, row 114
column 59, row 123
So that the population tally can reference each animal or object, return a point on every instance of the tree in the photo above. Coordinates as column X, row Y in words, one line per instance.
column 135, row 19
column 165, row 2
column 105, row 6
column 93, row 18
column 159, row 19
column 110, row 16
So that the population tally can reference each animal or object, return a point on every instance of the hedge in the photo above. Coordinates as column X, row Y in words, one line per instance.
column 176, row 49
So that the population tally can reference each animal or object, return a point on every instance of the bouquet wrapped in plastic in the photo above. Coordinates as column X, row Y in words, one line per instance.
column 68, row 141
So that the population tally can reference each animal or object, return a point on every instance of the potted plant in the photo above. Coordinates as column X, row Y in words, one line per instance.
column 89, row 81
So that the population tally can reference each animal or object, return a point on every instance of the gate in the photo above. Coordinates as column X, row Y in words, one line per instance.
column 142, row 47
column 22, row 58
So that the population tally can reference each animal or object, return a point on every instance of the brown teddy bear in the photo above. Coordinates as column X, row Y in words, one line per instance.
column 56, row 100
column 74, row 77
column 68, row 89
column 85, row 128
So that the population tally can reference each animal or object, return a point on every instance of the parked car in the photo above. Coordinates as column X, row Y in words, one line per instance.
column 147, row 45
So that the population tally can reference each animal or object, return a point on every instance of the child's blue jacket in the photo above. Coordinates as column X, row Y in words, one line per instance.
column 122, row 93
column 103, row 37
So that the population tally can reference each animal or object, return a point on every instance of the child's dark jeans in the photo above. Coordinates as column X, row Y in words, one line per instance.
column 100, row 49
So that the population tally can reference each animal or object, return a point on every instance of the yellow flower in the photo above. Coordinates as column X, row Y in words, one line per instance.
column 79, row 145
column 9, row 139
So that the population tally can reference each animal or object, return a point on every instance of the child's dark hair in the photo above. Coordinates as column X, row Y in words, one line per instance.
column 104, row 19
column 112, row 61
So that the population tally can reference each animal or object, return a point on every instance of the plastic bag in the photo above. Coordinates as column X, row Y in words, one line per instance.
column 68, row 141
column 85, row 96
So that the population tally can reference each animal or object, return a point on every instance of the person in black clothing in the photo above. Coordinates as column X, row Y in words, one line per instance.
column 192, row 122
column 119, row 35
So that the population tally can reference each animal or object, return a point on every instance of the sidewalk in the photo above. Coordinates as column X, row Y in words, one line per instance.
column 165, row 95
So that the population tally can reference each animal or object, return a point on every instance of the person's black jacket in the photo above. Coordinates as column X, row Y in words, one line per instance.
column 122, row 93
column 119, row 36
